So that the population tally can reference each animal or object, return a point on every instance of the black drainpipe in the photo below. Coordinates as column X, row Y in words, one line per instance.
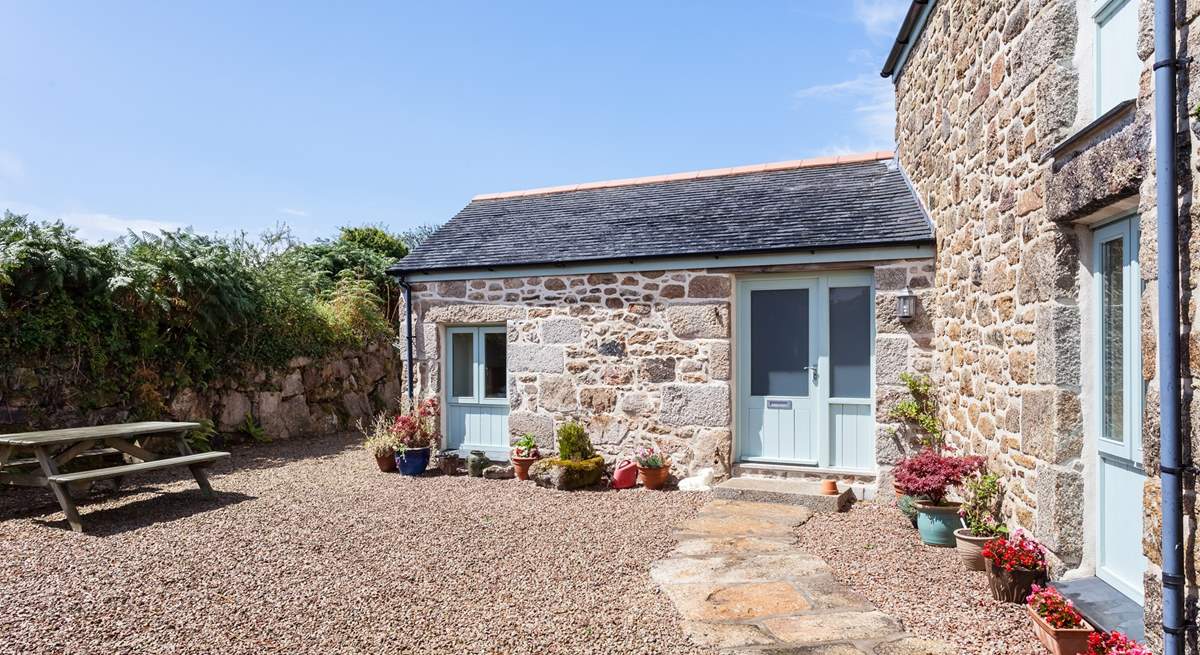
column 409, row 363
column 1171, row 467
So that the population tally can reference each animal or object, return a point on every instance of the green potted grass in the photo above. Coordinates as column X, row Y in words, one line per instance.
column 932, row 474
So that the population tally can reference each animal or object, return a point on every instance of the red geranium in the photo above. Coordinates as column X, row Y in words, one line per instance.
column 931, row 474
column 1114, row 643
column 1015, row 552
column 1055, row 610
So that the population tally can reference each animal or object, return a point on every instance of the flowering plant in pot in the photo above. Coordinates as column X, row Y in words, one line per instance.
column 524, row 452
column 931, row 474
column 1058, row 625
column 1114, row 643
column 653, row 467
column 1014, row 564
column 417, row 432
column 983, row 494
column 380, row 441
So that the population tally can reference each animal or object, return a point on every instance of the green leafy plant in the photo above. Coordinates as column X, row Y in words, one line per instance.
column 919, row 410
column 983, row 497
column 254, row 430
column 200, row 439
column 573, row 442
column 526, row 446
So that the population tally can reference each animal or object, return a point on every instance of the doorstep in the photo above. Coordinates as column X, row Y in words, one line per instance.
column 1105, row 607
column 862, row 483
column 805, row 493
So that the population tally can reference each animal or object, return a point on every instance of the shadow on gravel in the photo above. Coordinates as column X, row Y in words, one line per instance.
column 282, row 453
column 160, row 508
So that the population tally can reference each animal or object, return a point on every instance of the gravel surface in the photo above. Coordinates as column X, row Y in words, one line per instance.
column 309, row 549
column 873, row 549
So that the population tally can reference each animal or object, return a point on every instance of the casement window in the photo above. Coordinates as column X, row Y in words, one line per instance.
column 1117, row 63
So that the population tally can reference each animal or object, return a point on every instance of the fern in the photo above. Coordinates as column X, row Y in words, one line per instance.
column 254, row 430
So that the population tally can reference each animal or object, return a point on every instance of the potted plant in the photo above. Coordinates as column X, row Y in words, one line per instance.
column 983, row 495
column 417, row 433
column 919, row 413
column 932, row 474
column 577, row 464
column 525, row 452
column 653, row 467
column 380, row 442
column 1014, row 564
column 1059, row 626
column 1114, row 643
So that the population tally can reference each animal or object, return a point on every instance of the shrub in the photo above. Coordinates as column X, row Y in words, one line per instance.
column 1056, row 611
column 983, row 495
column 573, row 442
column 374, row 237
column 931, row 474
column 1016, row 552
column 920, row 410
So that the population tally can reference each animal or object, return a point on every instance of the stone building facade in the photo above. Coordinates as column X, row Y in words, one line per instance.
column 1021, row 159
column 647, row 357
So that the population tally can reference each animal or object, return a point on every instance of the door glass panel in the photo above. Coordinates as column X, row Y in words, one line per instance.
column 1118, row 67
column 462, row 356
column 850, row 342
column 1112, row 331
column 779, row 356
column 495, row 345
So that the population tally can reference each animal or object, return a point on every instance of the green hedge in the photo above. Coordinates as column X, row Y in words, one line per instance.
column 129, row 320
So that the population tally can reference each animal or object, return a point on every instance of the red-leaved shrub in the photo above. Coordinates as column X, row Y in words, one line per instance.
column 931, row 474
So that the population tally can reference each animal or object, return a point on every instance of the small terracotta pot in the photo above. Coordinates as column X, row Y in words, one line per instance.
column 1060, row 641
column 1012, row 586
column 829, row 487
column 655, row 478
column 521, row 466
column 386, row 463
column 970, row 549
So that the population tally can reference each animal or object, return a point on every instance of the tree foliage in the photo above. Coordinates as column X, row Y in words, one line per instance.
column 133, row 318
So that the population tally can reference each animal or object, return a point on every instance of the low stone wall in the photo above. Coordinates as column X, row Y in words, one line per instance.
column 306, row 397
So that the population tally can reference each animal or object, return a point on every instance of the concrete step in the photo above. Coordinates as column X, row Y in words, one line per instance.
column 805, row 493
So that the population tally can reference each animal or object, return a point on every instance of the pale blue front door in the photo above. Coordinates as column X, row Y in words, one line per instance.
column 805, row 353
column 1118, row 406
column 477, row 390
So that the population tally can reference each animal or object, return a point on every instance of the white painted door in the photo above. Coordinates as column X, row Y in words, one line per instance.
column 477, row 390
column 1119, row 400
column 805, row 371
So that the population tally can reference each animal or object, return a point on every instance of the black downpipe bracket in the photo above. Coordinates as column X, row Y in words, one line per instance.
column 1171, row 468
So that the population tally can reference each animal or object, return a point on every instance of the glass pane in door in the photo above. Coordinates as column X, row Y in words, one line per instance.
column 779, row 357
column 850, row 341
column 1112, row 347
column 462, row 364
column 495, row 344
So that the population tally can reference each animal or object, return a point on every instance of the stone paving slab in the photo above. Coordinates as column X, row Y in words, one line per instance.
column 743, row 587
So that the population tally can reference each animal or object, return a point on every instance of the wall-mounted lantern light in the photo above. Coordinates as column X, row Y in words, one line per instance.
column 906, row 306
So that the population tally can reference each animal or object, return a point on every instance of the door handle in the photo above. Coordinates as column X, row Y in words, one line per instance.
column 816, row 377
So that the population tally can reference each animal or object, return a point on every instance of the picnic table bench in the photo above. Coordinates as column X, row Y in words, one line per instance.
column 52, row 449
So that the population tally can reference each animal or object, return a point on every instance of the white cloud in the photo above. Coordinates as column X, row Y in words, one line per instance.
column 873, row 105
column 293, row 212
column 11, row 167
column 881, row 18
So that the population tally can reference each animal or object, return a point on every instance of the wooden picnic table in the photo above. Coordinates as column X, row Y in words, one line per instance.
column 52, row 449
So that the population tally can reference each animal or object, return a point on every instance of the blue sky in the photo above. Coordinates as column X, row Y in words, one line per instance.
column 228, row 116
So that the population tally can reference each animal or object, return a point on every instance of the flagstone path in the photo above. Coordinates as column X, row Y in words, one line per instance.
column 742, row 586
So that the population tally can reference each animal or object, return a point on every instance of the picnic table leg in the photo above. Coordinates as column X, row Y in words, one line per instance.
column 196, row 469
column 61, row 492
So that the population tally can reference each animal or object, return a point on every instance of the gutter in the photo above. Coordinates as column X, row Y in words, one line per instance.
column 1171, row 466
column 910, row 30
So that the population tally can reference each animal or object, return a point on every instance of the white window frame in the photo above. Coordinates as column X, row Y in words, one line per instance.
column 1105, row 10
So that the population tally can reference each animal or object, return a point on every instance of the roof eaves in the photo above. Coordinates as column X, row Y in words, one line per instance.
column 910, row 30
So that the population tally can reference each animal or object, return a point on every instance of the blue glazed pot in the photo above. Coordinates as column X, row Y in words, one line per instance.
column 414, row 461
column 937, row 523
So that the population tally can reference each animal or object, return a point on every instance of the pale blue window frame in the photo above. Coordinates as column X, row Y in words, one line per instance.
column 477, row 369
column 1117, row 67
column 1126, row 231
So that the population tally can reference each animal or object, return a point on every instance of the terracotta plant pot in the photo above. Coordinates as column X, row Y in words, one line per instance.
column 829, row 487
column 655, row 478
column 970, row 549
column 521, row 466
column 387, row 463
column 1012, row 586
column 1060, row 641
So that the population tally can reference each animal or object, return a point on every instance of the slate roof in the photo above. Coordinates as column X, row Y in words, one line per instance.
column 839, row 202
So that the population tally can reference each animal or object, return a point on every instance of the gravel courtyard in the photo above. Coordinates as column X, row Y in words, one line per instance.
column 308, row 549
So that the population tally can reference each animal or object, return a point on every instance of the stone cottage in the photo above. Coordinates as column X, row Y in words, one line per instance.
column 1026, row 129
column 743, row 319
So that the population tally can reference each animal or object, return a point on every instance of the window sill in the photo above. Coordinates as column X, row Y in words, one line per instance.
column 1084, row 137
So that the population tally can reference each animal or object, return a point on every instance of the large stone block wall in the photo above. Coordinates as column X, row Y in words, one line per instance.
column 637, row 358
column 304, row 398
